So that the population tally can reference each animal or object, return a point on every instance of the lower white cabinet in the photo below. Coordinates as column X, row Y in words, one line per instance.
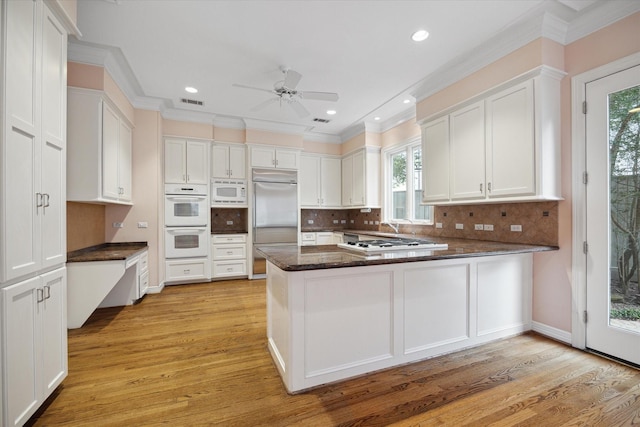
column 229, row 253
column 186, row 270
column 34, row 343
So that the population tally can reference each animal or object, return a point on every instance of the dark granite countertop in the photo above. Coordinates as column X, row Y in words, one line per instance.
column 107, row 252
column 228, row 232
column 300, row 258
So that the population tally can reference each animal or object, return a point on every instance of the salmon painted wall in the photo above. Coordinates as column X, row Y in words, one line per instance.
column 553, row 272
column 552, row 296
column 148, row 194
column 322, row 148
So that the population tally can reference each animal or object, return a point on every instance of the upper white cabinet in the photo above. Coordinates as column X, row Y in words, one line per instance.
column 361, row 178
column 502, row 146
column 271, row 157
column 320, row 181
column 33, row 139
column 435, row 159
column 99, row 149
column 228, row 161
column 186, row 162
column 467, row 152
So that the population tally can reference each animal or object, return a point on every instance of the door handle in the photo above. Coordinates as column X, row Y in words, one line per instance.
column 46, row 200
column 39, row 295
column 47, row 293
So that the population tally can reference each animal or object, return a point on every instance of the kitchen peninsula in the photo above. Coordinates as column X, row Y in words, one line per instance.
column 333, row 313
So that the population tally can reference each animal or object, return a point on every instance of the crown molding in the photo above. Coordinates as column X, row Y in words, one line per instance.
column 398, row 119
column 606, row 13
column 322, row 137
column 228, row 122
column 277, row 127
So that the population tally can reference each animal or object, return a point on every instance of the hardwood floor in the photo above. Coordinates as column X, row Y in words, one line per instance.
column 196, row 355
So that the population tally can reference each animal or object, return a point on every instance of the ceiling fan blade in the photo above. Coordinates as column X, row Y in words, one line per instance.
column 320, row 96
column 291, row 79
column 299, row 108
column 254, row 88
column 264, row 104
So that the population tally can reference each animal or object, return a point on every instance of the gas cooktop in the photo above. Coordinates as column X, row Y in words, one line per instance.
column 382, row 245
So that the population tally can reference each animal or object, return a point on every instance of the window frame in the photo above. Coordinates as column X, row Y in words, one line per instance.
column 387, row 176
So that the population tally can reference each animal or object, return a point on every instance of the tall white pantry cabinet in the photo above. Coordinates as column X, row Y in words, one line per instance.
column 33, row 324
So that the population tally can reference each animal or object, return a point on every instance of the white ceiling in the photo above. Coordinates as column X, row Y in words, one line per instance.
column 360, row 49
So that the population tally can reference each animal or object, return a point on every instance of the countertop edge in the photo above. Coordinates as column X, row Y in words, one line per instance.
column 107, row 252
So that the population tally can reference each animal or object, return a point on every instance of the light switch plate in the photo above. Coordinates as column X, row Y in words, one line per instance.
column 438, row 225
column 118, row 225
column 488, row 227
column 516, row 227
column 459, row 226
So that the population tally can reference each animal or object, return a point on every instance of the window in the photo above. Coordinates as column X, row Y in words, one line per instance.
column 403, row 182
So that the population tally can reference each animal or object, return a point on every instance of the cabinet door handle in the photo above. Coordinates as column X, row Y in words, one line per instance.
column 489, row 187
column 47, row 293
column 230, row 172
column 46, row 204
column 481, row 187
column 39, row 295
column 38, row 200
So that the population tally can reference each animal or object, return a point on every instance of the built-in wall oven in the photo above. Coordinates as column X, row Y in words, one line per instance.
column 187, row 212
column 186, row 205
column 186, row 242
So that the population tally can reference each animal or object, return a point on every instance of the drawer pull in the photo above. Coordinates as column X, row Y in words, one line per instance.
column 186, row 271
column 229, row 252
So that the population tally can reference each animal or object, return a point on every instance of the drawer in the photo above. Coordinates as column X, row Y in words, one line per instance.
column 228, row 238
column 324, row 238
column 308, row 243
column 309, row 237
column 144, row 262
column 143, row 283
column 186, row 270
column 229, row 268
column 229, row 251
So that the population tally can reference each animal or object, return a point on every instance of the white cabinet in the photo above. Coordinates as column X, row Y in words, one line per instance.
column 33, row 336
column 229, row 252
column 435, row 159
column 503, row 146
column 510, row 151
column 186, row 270
column 320, row 181
column 324, row 238
column 186, row 162
column 34, row 342
column 307, row 238
column 228, row 161
column 33, row 140
column 467, row 152
column 99, row 149
column 271, row 157
column 361, row 178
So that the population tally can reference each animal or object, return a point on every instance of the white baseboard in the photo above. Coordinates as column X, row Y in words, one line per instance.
column 155, row 289
column 551, row 332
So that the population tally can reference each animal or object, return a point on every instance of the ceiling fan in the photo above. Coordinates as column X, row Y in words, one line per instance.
column 285, row 92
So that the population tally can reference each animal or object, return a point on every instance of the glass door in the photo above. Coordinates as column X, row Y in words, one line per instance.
column 613, row 215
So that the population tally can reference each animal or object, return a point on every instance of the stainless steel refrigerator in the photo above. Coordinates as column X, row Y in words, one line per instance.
column 275, row 211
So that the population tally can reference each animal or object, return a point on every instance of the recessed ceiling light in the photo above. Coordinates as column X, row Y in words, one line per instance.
column 331, row 112
column 406, row 101
column 191, row 89
column 376, row 118
column 420, row 35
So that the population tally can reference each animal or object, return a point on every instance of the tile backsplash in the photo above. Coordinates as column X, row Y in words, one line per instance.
column 229, row 220
column 537, row 222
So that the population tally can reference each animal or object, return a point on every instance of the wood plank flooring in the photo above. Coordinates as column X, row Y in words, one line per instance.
column 196, row 355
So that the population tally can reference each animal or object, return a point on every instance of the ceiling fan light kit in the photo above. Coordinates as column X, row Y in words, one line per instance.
column 285, row 92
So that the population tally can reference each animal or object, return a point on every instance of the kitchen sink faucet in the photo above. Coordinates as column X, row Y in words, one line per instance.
column 395, row 227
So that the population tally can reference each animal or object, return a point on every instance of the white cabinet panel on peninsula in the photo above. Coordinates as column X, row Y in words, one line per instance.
column 331, row 324
column 185, row 162
column 99, row 149
column 320, row 181
column 228, row 161
column 503, row 145
column 272, row 157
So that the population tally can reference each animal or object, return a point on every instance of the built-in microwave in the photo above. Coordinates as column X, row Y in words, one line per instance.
column 226, row 192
